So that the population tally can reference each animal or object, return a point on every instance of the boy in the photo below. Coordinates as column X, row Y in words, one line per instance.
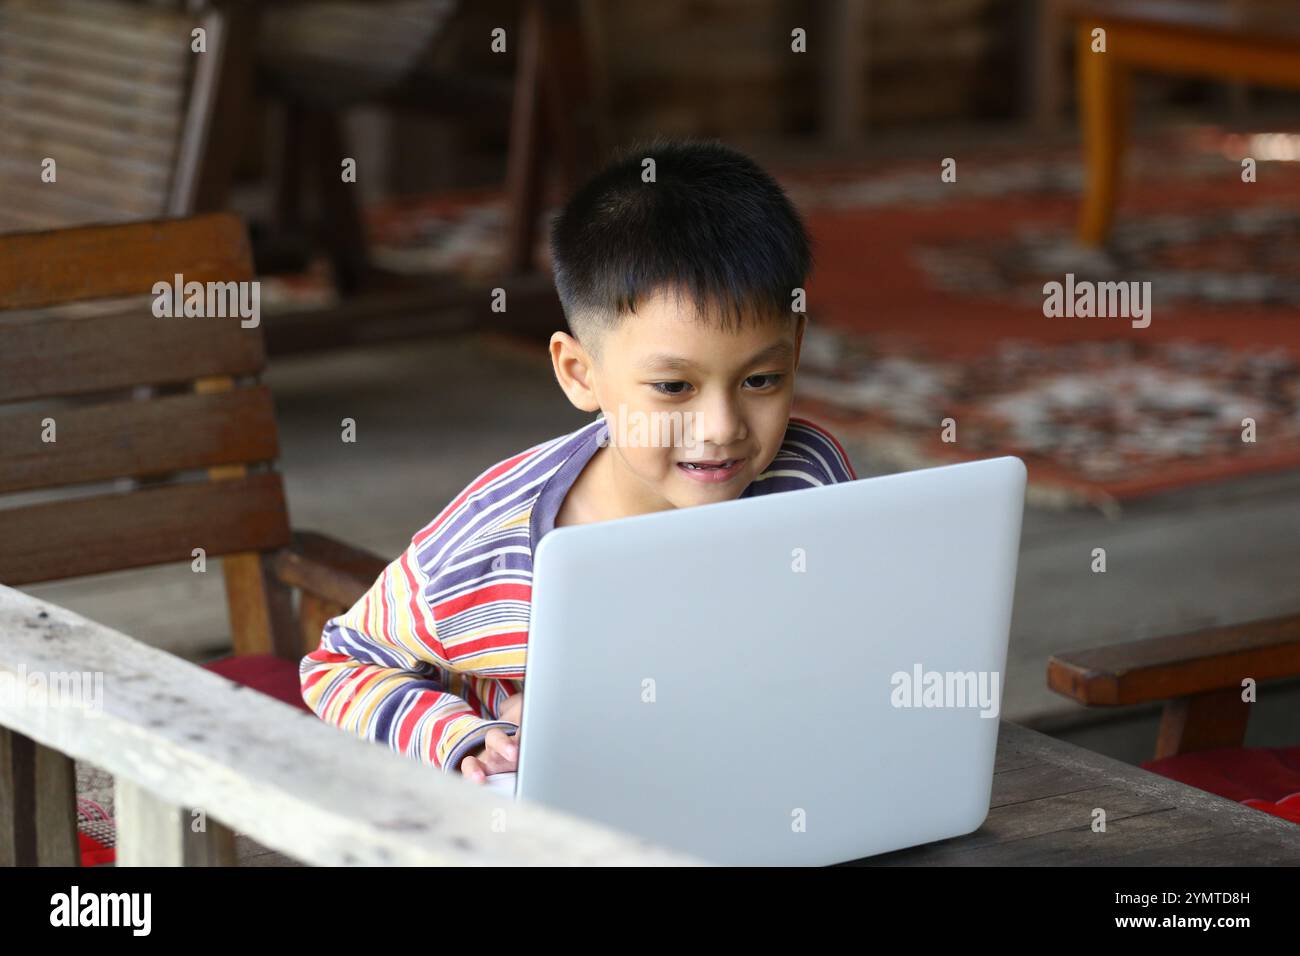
column 677, row 289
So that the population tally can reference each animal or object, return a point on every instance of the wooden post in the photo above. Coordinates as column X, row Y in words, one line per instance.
column 38, row 804
column 1103, row 91
column 261, row 607
column 153, row 832
column 1203, row 722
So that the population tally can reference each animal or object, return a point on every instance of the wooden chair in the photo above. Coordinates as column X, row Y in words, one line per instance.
column 1257, row 41
column 1199, row 677
column 208, row 448
column 320, row 59
column 112, row 93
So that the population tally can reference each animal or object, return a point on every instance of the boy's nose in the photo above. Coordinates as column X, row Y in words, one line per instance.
column 718, row 429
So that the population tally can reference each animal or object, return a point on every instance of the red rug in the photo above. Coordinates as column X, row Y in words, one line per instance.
column 930, row 301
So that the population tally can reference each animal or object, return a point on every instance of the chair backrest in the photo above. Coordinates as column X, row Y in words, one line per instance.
column 193, row 448
column 115, row 96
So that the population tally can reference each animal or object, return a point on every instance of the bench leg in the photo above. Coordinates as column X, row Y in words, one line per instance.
column 1103, row 111
column 38, row 804
column 1203, row 722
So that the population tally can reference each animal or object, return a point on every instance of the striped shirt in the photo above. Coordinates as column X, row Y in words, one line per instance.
column 424, row 661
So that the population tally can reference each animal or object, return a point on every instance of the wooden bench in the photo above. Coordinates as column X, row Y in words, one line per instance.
column 173, row 733
column 1198, row 676
column 201, row 765
column 1257, row 42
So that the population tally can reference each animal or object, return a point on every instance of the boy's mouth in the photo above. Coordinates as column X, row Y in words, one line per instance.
column 712, row 471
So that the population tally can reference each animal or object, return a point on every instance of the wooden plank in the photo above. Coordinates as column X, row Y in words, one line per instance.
column 65, row 205
column 313, row 613
column 1179, row 665
column 159, row 524
column 42, row 356
column 138, row 438
column 153, row 832
column 58, row 45
column 1274, row 61
column 45, row 133
column 1255, row 21
column 101, row 262
column 260, row 606
column 1203, row 722
column 137, row 176
column 1042, row 815
column 38, row 813
column 270, row 771
column 91, row 184
column 328, row 568
column 124, row 25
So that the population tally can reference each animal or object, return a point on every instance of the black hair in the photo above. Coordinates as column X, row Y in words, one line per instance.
column 712, row 226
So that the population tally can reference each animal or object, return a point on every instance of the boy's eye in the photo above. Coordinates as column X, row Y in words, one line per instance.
column 766, row 380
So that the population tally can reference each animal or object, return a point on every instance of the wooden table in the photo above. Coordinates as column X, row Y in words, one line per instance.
column 1257, row 41
column 1044, row 794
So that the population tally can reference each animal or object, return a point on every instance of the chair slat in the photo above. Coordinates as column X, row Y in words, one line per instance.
column 136, row 173
column 37, row 130
column 47, row 356
column 157, row 525
column 102, row 262
column 138, row 120
column 49, row 45
column 137, row 438
column 65, row 204
column 124, row 25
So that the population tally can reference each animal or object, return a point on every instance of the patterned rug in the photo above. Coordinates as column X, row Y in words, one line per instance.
column 931, row 302
column 96, row 830
column 926, row 304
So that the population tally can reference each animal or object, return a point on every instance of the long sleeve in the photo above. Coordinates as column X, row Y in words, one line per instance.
column 382, row 674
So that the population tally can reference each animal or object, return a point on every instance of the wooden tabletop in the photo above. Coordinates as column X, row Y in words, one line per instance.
column 1044, row 795
column 1262, row 20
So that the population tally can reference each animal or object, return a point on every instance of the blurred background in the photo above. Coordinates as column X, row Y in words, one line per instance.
column 467, row 124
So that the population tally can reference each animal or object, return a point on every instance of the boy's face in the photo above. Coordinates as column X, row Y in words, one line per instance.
column 679, row 397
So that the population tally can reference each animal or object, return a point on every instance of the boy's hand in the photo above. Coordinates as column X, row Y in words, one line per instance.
column 513, row 708
column 500, row 752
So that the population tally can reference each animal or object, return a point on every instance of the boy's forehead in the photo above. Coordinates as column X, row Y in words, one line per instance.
column 679, row 339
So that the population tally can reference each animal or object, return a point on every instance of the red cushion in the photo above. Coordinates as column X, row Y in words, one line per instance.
column 267, row 673
column 1266, row 778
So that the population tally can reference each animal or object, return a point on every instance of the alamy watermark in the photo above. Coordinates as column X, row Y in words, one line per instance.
column 24, row 689
column 947, row 689
column 209, row 300
column 1085, row 299
column 637, row 429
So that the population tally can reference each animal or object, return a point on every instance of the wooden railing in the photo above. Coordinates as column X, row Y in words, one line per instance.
column 197, row 758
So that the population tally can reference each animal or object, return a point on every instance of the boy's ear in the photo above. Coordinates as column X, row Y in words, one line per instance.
column 573, row 370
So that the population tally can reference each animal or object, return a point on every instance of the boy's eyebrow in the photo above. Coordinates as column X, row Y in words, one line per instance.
column 779, row 350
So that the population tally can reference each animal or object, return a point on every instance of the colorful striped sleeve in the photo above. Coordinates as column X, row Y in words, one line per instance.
column 381, row 673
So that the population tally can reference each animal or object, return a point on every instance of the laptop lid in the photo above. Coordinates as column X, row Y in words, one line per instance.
column 801, row 678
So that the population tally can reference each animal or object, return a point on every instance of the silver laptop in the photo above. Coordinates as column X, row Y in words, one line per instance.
column 802, row 678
